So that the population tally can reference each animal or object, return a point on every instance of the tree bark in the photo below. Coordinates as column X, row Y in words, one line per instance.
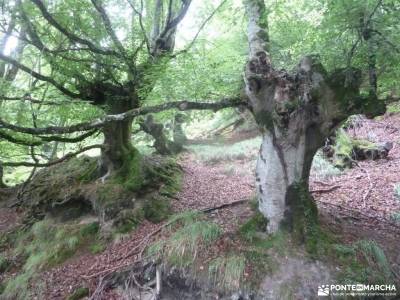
column 117, row 138
column 2, row 184
column 296, row 112
column 156, row 130
column 281, row 166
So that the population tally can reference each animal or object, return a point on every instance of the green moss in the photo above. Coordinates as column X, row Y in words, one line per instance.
column 257, row 223
column 304, row 225
column 265, row 120
column 97, row 247
column 157, row 209
column 128, row 219
column 90, row 229
column 79, row 293
column 363, row 261
column 4, row 263
column 131, row 175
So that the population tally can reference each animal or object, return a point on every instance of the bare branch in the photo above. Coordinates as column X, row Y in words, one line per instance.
column 99, row 123
column 45, row 139
column 40, row 77
column 37, row 101
column 73, row 37
column 200, row 29
column 110, row 31
column 139, row 13
column 51, row 163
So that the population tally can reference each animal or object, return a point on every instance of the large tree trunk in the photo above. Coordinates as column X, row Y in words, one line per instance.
column 295, row 112
column 283, row 166
column 2, row 184
column 117, row 139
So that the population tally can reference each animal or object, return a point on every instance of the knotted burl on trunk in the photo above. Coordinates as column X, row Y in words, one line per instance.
column 296, row 112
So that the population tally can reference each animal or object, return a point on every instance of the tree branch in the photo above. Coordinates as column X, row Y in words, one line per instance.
column 37, row 101
column 110, row 30
column 98, row 123
column 140, row 16
column 201, row 28
column 40, row 77
column 73, row 37
column 51, row 163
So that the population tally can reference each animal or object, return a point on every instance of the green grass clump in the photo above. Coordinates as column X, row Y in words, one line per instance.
column 363, row 261
column 97, row 247
column 4, row 263
column 79, row 293
column 393, row 108
column 396, row 217
column 227, row 272
column 322, row 168
column 257, row 223
column 396, row 191
column 45, row 245
column 241, row 150
column 181, row 248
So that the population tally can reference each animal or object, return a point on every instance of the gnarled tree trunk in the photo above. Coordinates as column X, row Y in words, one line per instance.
column 2, row 184
column 117, row 139
column 295, row 112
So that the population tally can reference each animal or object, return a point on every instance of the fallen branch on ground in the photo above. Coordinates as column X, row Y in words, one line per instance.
column 326, row 190
column 141, row 247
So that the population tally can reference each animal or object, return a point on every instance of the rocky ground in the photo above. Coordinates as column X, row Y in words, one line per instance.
column 358, row 203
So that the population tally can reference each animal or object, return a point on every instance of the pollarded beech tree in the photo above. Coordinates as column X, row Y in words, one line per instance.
column 90, row 53
column 296, row 112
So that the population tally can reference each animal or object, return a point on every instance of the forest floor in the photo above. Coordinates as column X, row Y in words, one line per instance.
column 358, row 203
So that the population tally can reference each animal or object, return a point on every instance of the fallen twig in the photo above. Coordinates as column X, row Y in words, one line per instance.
column 225, row 205
column 326, row 190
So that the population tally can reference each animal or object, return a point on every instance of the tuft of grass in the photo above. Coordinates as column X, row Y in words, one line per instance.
column 79, row 293
column 396, row 190
column 257, row 223
column 97, row 247
column 322, row 168
column 182, row 247
column 393, row 108
column 247, row 149
column 396, row 217
column 364, row 261
column 227, row 272
column 184, row 244
column 4, row 263
column 45, row 245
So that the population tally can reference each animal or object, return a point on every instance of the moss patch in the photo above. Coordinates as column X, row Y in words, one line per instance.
column 79, row 293
column 256, row 224
column 303, row 218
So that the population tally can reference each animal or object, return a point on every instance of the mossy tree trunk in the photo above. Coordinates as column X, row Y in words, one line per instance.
column 295, row 112
column 2, row 184
column 117, row 138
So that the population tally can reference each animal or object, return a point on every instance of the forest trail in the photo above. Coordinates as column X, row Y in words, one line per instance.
column 360, row 207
